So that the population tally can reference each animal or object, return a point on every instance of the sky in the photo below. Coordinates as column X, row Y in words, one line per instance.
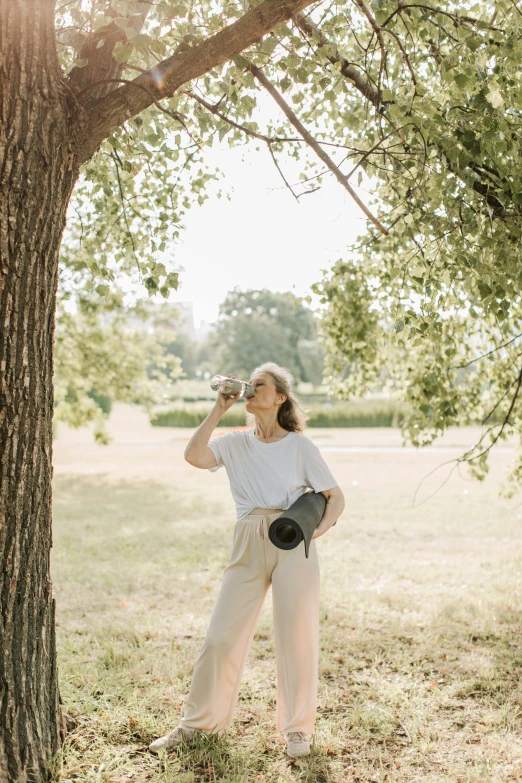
column 262, row 237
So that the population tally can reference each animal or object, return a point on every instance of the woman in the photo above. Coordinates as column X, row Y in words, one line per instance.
column 269, row 467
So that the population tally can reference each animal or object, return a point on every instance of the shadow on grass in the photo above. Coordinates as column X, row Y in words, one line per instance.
column 126, row 524
column 79, row 496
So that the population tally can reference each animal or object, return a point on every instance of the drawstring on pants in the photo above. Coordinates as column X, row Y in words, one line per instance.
column 261, row 528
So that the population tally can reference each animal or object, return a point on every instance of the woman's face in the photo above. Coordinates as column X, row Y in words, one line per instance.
column 265, row 396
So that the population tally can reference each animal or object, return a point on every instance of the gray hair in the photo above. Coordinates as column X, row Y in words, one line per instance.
column 290, row 415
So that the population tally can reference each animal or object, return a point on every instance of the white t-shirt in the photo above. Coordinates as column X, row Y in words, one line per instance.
column 269, row 475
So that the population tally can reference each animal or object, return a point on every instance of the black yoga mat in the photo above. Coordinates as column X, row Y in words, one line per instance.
column 298, row 522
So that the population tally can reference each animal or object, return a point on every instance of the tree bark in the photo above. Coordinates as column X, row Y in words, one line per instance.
column 37, row 175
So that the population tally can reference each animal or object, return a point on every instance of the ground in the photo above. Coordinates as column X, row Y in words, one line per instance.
column 421, row 651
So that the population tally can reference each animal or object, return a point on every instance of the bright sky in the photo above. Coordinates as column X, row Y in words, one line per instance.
column 262, row 237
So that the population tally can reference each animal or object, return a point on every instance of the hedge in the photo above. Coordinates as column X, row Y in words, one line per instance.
column 371, row 413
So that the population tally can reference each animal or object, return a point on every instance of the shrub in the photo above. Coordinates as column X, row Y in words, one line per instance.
column 186, row 417
column 102, row 400
column 361, row 413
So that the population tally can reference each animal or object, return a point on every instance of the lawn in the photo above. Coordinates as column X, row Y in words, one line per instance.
column 421, row 650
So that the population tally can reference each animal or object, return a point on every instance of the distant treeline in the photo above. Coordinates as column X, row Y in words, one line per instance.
column 365, row 413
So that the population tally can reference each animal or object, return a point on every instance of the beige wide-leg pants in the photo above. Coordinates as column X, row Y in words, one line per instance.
column 255, row 563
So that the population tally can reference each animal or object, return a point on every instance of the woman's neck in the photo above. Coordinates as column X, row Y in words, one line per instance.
column 269, row 428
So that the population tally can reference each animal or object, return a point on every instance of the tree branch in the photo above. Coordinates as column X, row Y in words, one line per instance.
column 269, row 87
column 348, row 70
column 214, row 110
column 505, row 422
column 276, row 164
column 164, row 79
column 455, row 18
column 122, row 197
column 97, row 49
column 484, row 355
column 94, row 85
column 503, row 396
column 377, row 30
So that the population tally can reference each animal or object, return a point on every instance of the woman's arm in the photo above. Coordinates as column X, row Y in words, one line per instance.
column 334, row 509
column 197, row 452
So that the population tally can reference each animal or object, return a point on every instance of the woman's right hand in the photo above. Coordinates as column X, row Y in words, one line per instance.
column 225, row 401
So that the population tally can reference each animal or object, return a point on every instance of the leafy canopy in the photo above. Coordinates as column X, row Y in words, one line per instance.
column 422, row 100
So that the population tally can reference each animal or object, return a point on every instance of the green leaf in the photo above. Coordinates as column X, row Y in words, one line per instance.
column 473, row 43
column 223, row 131
column 461, row 80
column 122, row 52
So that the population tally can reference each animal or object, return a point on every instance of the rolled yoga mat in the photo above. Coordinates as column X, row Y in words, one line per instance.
column 298, row 522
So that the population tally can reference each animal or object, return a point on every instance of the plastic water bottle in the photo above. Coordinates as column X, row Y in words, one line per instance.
column 231, row 386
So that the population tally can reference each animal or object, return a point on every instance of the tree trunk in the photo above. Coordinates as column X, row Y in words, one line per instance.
column 37, row 175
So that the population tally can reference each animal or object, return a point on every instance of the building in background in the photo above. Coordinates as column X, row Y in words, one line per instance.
column 179, row 318
column 175, row 317
column 204, row 330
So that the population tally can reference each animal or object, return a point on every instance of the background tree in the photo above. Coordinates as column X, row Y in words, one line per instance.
column 105, row 355
column 312, row 357
column 186, row 349
column 259, row 326
column 206, row 356
column 167, row 322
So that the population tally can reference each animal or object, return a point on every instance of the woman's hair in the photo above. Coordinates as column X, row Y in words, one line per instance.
column 290, row 414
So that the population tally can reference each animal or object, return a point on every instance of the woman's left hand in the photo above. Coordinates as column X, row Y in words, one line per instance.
column 334, row 508
column 320, row 530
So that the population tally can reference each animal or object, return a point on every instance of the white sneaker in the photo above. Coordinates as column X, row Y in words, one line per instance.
column 174, row 739
column 297, row 744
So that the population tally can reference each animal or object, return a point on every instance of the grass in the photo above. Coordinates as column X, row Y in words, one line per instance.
column 421, row 651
